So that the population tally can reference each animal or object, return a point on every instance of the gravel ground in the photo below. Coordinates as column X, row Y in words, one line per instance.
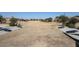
column 3, row 32
column 36, row 34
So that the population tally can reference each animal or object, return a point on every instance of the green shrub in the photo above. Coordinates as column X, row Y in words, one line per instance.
column 70, row 25
column 19, row 25
column 71, row 22
column 13, row 22
column 47, row 20
column 2, row 19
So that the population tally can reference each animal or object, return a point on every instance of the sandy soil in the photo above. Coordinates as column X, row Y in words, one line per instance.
column 36, row 34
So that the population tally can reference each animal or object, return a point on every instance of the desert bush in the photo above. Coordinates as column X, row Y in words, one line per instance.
column 2, row 19
column 63, row 19
column 13, row 21
column 49, row 19
column 71, row 22
column 70, row 25
column 19, row 25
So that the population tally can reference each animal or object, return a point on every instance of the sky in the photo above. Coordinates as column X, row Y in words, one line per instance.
column 29, row 15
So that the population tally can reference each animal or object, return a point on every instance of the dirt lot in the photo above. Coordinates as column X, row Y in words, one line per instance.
column 36, row 34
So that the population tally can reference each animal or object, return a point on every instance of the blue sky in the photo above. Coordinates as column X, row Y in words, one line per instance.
column 29, row 15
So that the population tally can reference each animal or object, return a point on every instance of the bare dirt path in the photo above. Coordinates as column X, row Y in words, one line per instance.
column 37, row 34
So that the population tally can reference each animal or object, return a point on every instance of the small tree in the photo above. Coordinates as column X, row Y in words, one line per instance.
column 48, row 19
column 13, row 21
column 41, row 19
column 63, row 19
column 57, row 19
column 2, row 19
column 71, row 23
